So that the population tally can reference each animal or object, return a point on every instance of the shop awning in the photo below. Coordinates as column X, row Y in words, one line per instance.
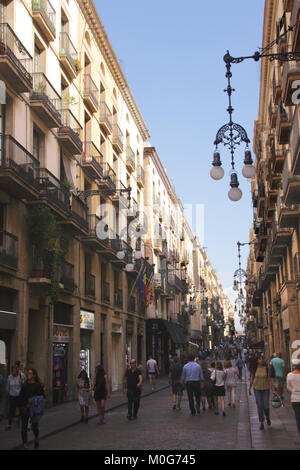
column 176, row 332
column 8, row 320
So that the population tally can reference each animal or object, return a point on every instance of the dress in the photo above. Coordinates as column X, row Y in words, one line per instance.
column 100, row 388
column 84, row 392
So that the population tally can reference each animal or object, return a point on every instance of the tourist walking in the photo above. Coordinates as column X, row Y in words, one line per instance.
column 84, row 391
column 240, row 365
column 218, row 380
column 13, row 389
column 278, row 365
column 192, row 377
column 101, row 392
column 31, row 402
column 293, row 386
column 153, row 370
column 133, row 383
column 206, row 391
column 261, row 383
column 231, row 383
column 175, row 380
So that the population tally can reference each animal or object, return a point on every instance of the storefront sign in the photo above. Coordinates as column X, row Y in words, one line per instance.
column 61, row 334
column 87, row 320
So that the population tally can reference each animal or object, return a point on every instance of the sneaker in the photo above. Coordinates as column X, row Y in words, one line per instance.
column 174, row 407
column 261, row 427
column 103, row 421
column 268, row 422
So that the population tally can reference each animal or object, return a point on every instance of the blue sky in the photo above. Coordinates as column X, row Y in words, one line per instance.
column 172, row 55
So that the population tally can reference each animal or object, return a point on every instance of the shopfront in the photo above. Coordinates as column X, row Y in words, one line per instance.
column 61, row 350
column 87, row 326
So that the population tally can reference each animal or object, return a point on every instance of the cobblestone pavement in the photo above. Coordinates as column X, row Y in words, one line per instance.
column 159, row 427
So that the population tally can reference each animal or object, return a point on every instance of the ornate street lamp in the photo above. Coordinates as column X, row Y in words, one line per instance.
column 232, row 134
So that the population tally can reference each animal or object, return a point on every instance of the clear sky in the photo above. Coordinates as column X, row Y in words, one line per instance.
column 171, row 53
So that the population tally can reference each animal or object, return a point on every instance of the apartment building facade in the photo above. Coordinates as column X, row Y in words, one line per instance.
column 71, row 164
column 273, row 316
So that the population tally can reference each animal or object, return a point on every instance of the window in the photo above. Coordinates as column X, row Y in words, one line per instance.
column 37, row 143
column 37, row 59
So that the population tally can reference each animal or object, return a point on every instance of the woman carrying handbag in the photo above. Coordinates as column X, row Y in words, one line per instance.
column 261, row 382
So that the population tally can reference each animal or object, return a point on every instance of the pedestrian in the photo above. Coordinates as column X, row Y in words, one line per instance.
column 261, row 382
column 293, row 386
column 192, row 377
column 84, row 390
column 206, row 391
column 21, row 369
column 31, row 402
column 175, row 380
column 101, row 391
column 133, row 383
column 278, row 365
column 13, row 389
column 240, row 365
column 218, row 379
column 231, row 383
column 153, row 370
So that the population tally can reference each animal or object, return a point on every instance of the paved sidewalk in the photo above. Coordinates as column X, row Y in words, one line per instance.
column 282, row 434
column 61, row 417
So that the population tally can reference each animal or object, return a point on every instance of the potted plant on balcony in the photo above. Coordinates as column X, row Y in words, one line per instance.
column 78, row 65
column 50, row 246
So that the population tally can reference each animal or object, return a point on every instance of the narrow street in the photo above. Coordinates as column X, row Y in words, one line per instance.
column 161, row 428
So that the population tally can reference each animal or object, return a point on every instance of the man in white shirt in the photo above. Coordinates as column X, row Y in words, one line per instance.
column 152, row 371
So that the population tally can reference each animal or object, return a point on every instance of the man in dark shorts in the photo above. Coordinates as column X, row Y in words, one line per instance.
column 175, row 380
column 133, row 382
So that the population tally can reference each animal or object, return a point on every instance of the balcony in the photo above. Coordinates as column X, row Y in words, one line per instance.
column 288, row 216
column 158, row 282
column 290, row 185
column 119, row 197
column 291, row 73
column 261, row 199
column 276, row 83
column 160, row 247
column 277, row 160
column 15, row 61
column 280, row 237
column 118, row 245
column 295, row 143
column 68, row 55
column 44, row 16
column 90, row 93
column 69, row 134
column 105, row 117
column 90, row 283
column 118, row 298
column 295, row 16
column 140, row 176
column 175, row 282
column 272, row 115
column 66, row 276
column 77, row 220
column 118, row 139
column 92, row 161
column 130, row 159
column 53, row 194
column 45, row 101
column 131, row 304
column 19, row 170
column 283, row 125
column 107, row 184
column 98, row 239
column 8, row 250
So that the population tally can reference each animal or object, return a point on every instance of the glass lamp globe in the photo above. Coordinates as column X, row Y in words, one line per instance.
column 121, row 254
column 129, row 267
column 248, row 171
column 138, row 255
column 217, row 173
column 235, row 194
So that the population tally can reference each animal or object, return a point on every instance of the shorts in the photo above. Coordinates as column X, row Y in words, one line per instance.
column 177, row 389
column 219, row 391
column 152, row 375
column 277, row 382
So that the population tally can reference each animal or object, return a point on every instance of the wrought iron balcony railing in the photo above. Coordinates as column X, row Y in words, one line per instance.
column 47, row 11
column 91, row 90
column 68, row 50
column 44, row 91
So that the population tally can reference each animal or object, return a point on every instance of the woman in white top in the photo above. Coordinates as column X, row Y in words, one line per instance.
column 231, row 382
column 293, row 386
column 218, row 379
